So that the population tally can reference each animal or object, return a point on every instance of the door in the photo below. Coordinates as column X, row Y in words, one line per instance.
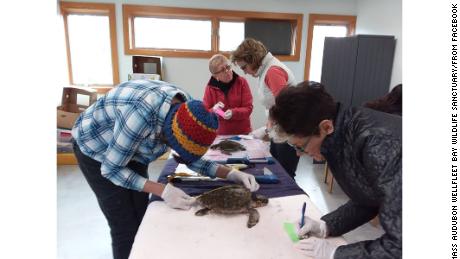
column 319, row 27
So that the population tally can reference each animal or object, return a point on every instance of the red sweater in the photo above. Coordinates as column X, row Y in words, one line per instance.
column 238, row 99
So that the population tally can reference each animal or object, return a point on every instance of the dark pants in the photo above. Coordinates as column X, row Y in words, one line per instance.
column 123, row 208
column 286, row 155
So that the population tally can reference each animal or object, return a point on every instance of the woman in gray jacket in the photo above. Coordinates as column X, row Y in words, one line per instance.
column 363, row 150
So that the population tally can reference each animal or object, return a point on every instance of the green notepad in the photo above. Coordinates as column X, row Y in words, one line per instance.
column 290, row 230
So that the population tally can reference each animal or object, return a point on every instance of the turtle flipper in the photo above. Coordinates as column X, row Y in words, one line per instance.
column 253, row 217
column 202, row 212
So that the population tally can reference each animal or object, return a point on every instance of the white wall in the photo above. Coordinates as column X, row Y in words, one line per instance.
column 384, row 18
column 192, row 74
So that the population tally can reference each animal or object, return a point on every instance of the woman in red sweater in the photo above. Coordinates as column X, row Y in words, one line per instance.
column 229, row 92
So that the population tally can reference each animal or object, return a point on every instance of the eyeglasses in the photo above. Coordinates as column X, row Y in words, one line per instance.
column 225, row 69
column 302, row 148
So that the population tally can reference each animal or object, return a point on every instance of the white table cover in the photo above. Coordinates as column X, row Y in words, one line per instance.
column 170, row 233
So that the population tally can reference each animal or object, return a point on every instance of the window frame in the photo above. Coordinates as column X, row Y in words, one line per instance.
column 325, row 19
column 68, row 8
column 214, row 15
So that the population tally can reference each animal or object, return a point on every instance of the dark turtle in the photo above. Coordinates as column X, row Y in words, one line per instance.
column 228, row 146
column 232, row 199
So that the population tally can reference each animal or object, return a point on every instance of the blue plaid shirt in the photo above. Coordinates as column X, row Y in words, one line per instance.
column 124, row 125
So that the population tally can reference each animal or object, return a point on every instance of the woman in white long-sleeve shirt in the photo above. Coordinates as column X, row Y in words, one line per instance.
column 254, row 59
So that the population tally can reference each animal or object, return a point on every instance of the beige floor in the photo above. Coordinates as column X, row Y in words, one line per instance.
column 83, row 232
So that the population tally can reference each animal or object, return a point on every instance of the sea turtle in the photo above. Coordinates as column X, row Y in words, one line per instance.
column 228, row 146
column 232, row 199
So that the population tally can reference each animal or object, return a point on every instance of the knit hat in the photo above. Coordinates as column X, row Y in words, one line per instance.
column 190, row 129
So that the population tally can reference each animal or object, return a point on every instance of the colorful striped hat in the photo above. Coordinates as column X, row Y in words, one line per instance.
column 190, row 129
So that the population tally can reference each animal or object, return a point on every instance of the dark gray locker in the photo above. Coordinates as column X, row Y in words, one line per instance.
column 357, row 69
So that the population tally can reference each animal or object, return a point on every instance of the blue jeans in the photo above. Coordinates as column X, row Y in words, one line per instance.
column 123, row 208
column 286, row 155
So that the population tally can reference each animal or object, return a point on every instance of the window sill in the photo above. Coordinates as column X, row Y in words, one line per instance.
column 102, row 89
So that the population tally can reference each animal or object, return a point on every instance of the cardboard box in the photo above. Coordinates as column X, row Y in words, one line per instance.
column 67, row 115
column 69, row 110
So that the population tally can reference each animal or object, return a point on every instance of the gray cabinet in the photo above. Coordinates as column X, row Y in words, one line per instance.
column 357, row 69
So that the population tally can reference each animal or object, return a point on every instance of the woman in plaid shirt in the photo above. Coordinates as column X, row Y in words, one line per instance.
column 132, row 125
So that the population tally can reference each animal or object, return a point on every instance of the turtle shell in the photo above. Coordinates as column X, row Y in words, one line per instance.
column 227, row 199
column 228, row 146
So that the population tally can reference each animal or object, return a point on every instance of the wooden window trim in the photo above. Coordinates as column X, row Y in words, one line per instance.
column 93, row 8
column 131, row 11
column 326, row 19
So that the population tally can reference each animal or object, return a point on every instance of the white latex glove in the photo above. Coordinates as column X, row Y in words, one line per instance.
column 312, row 227
column 218, row 105
column 228, row 114
column 176, row 198
column 259, row 133
column 317, row 248
column 248, row 180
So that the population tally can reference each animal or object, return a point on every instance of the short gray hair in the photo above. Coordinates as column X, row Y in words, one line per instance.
column 216, row 60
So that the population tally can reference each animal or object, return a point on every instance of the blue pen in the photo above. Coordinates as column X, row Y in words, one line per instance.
column 302, row 220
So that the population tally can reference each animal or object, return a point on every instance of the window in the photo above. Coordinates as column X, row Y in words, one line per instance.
column 275, row 35
column 199, row 33
column 91, row 44
column 320, row 32
column 231, row 34
column 319, row 27
column 159, row 33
